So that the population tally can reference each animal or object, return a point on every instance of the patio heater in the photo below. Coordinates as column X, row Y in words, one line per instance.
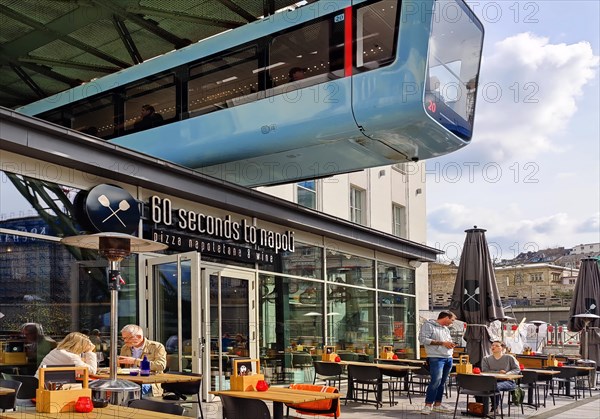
column 114, row 247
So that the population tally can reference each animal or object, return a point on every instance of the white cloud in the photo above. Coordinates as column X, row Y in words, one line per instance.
column 528, row 92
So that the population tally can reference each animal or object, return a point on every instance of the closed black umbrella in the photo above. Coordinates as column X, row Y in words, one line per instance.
column 586, row 304
column 476, row 299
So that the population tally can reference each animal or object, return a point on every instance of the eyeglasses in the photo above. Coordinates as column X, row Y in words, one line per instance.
column 130, row 337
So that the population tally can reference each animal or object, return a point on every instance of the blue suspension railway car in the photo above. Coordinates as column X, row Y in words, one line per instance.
column 330, row 87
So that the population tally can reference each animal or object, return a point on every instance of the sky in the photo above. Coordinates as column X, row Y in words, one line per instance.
column 530, row 176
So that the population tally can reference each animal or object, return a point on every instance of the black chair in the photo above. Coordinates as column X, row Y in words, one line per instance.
column 27, row 390
column 365, row 379
column 155, row 406
column 478, row 386
column 395, row 380
column 545, row 382
column 582, row 381
column 237, row 408
column 529, row 382
column 348, row 356
column 566, row 381
column 184, row 389
column 9, row 401
column 303, row 361
column 419, row 378
column 329, row 372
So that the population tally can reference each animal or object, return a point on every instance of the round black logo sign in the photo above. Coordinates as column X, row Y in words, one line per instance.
column 110, row 208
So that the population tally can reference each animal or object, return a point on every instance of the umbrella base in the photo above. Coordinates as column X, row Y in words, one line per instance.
column 115, row 391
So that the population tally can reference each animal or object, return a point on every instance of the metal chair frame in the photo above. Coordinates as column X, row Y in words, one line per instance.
column 479, row 386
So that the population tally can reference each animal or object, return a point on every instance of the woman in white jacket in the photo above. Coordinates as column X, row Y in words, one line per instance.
column 75, row 349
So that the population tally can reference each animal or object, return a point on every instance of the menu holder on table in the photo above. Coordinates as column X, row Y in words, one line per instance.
column 54, row 401
column 387, row 352
column 464, row 366
column 246, row 374
column 328, row 354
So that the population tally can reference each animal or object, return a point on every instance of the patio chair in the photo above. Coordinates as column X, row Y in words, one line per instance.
column 329, row 372
column 395, row 381
column 304, row 362
column 238, row 408
column 478, row 386
column 565, row 381
column 27, row 391
column 156, row 406
column 9, row 401
column 366, row 379
column 184, row 389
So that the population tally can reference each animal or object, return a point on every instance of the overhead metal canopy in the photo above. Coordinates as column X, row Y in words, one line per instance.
column 47, row 46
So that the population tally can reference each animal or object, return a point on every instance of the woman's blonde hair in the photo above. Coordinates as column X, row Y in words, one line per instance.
column 76, row 343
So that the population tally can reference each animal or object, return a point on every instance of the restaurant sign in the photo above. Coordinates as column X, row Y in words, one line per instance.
column 215, row 232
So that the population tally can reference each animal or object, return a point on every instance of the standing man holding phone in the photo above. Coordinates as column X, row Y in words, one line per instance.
column 435, row 336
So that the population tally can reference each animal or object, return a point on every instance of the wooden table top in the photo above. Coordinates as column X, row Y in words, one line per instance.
column 382, row 366
column 575, row 367
column 280, row 394
column 6, row 390
column 405, row 361
column 543, row 372
column 152, row 378
column 110, row 411
column 496, row 375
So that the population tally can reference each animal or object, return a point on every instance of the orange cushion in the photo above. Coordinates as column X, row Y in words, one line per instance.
column 322, row 405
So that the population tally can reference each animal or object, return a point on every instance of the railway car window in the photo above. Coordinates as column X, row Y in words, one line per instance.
column 376, row 34
column 94, row 117
column 224, row 81
column 454, row 55
column 160, row 93
column 305, row 56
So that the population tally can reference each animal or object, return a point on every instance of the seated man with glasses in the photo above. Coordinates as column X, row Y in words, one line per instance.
column 135, row 347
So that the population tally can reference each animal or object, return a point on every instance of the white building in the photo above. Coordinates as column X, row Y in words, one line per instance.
column 390, row 199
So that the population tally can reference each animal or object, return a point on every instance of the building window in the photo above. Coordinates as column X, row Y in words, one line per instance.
column 357, row 205
column 536, row 277
column 399, row 220
column 306, row 193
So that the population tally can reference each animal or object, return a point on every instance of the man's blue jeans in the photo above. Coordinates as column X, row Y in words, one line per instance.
column 439, row 368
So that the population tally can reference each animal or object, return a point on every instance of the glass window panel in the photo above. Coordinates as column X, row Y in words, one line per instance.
column 95, row 117
column 159, row 93
column 307, row 193
column 395, row 278
column 224, row 81
column 454, row 55
column 399, row 220
column 357, row 205
column 306, row 261
column 351, row 324
column 397, row 328
column 304, row 56
column 291, row 320
column 376, row 27
column 349, row 269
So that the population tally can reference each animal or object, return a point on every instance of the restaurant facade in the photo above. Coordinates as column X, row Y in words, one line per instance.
column 245, row 274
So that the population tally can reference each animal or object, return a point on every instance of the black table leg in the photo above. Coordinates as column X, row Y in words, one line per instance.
column 277, row 410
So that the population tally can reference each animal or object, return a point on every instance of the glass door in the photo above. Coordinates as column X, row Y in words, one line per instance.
column 229, row 304
column 173, row 315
